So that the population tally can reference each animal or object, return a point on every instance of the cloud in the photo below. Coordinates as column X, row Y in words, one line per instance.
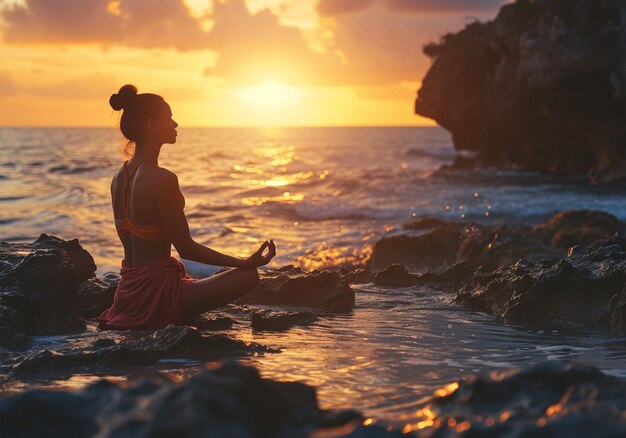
column 257, row 48
column 140, row 23
column 338, row 7
column 7, row 86
column 95, row 86
column 364, row 46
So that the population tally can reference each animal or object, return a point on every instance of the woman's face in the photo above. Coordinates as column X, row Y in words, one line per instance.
column 164, row 127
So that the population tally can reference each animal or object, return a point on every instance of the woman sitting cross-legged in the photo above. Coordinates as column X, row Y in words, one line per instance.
column 154, row 288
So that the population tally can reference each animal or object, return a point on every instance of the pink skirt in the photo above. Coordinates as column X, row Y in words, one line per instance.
column 149, row 297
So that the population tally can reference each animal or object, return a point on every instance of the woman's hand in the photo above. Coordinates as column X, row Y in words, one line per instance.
column 258, row 259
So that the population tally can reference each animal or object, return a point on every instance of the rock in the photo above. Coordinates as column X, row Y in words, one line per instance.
column 540, row 87
column 206, row 322
column 280, row 321
column 39, row 281
column 576, row 288
column 96, row 294
column 614, row 313
column 128, row 349
column 225, row 400
column 492, row 246
column 578, row 227
column 320, row 290
column 357, row 276
column 435, row 249
column 548, row 399
column 395, row 276
column 503, row 245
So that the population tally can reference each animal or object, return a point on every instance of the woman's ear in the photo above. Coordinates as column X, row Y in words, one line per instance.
column 150, row 125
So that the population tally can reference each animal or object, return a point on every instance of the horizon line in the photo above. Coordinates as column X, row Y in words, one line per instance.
column 220, row 126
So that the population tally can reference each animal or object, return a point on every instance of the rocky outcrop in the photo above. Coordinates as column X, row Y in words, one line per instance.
column 290, row 286
column 577, row 288
column 444, row 243
column 227, row 400
column 541, row 87
column 548, row 399
column 111, row 350
column 39, row 286
column 522, row 273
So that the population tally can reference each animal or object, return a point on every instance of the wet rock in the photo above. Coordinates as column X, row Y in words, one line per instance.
column 614, row 313
column 541, row 87
column 96, row 294
column 503, row 245
column 280, row 321
column 38, row 282
column 576, row 288
column 228, row 400
column 548, row 399
column 450, row 279
column 578, row 227
column 435, row 249
column 492, row 246
column 211, row 322
column 395, row 276
column 293, row 287
column 357, row 276
column 170, row 342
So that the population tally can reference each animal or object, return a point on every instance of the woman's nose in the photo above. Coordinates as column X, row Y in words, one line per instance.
column 175, row 124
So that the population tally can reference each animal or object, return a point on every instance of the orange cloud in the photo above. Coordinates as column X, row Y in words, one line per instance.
column 338, row 7
column 139, row 23
column 7, row 86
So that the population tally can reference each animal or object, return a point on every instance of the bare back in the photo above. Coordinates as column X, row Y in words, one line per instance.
column 142, row 210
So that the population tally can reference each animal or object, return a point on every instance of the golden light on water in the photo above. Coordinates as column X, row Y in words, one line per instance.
column 447, row 390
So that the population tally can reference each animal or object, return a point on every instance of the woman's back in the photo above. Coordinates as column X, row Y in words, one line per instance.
column 151, row 245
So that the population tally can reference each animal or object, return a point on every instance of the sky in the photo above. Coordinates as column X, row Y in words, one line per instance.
column 223, row 62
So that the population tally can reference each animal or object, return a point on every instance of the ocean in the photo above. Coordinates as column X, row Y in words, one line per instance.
column 325, row 195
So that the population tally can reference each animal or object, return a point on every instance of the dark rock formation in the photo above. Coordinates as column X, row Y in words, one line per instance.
column 576, row 288
column 395, row 276
column 542, row 87
column 96, row 294
column 208, row 321
column 38, row 285
column 581, row 227
column 492, row 246
column 357, row 276
column 545, row 400
column 131, row 348
column 280, row 321
column 293, row 287
column 230, row 400
column 434, row 249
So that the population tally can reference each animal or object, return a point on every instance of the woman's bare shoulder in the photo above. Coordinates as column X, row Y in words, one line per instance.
column 165, row 178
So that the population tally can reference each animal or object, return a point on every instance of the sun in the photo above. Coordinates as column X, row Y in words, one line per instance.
column 269, row 95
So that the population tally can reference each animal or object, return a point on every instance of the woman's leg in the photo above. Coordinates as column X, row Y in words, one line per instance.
column 218, row 290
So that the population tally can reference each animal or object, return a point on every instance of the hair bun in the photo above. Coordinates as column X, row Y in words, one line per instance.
column 122, row 99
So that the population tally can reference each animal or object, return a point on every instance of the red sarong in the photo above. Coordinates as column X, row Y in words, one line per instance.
column 149, row 297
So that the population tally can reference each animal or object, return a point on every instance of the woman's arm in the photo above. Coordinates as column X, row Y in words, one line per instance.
column 177, row 229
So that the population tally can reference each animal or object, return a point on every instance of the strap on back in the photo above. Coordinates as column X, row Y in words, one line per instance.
column 127, row 189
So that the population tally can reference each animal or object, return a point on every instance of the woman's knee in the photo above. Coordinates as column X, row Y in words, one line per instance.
column 251, row 276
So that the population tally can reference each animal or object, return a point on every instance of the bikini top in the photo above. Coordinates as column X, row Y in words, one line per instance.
column 148, row 232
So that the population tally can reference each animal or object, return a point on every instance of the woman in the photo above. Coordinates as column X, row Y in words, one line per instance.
column 155, row 289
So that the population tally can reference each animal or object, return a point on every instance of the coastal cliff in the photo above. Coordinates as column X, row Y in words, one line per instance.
column 540, row 87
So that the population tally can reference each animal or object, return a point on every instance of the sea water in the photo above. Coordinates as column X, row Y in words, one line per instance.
column 325, row 195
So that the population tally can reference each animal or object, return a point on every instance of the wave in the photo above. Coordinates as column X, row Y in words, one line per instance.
column 293, row 213
column 444, row 155
column 67, row 170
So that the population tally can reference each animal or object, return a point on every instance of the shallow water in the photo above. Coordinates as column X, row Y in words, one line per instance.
column 325, row 195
